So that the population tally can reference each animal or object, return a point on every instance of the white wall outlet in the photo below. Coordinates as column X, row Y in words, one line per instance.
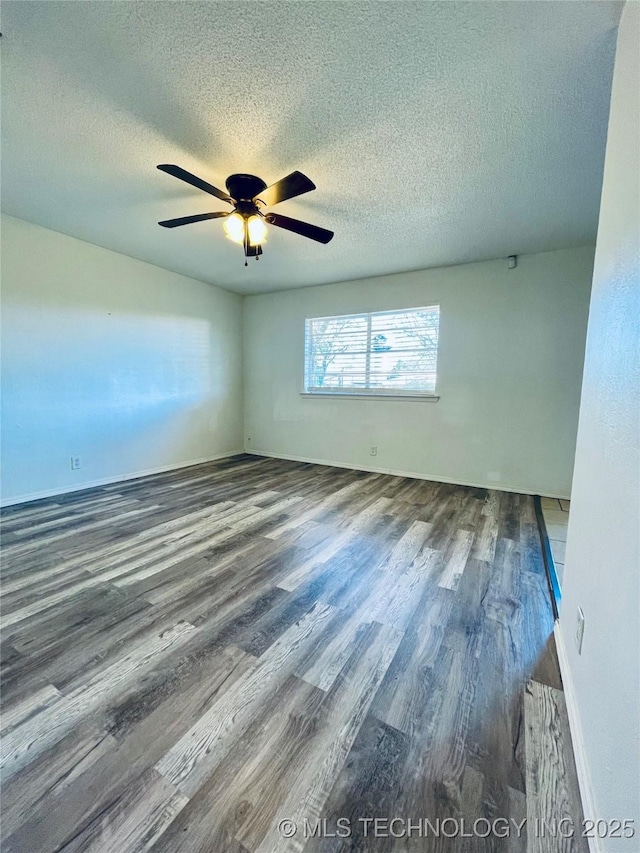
column 374, row 450
column 75, row 463
column 580, row 630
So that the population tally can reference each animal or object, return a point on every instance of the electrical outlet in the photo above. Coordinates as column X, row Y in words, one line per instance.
column 580, row 630
column 75, row 463
column 374, row 450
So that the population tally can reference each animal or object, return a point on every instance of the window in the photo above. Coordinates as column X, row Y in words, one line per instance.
column 387, row 352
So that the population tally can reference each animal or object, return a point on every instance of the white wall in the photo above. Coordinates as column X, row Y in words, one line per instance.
column 509, row 371
column 122, row 363
column 602, row 568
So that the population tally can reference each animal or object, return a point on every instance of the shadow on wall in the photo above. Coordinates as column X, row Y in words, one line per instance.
column 127, row 392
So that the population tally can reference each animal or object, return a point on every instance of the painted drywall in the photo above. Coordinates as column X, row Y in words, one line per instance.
column 602, row 566
column 117, row 361
column 509, row 370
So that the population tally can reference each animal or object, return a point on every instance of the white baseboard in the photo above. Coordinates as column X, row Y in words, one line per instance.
column 105, row 481
column 500, row 487
column 582, row 765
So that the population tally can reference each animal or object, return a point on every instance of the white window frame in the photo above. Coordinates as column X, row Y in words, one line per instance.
column 365, row 393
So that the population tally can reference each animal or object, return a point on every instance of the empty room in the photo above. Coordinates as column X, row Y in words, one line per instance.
column 320, row 401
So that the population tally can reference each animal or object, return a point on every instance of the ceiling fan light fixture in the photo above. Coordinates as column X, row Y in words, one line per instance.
column 247, row 225
column 257, row 230
column 234, row 227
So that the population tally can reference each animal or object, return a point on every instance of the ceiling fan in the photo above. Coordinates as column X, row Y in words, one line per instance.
column 247, row 194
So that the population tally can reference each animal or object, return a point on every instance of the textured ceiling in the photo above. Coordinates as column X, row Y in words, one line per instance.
column 436, row 133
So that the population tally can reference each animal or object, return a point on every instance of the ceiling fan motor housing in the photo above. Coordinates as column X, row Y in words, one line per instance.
column 243, row 189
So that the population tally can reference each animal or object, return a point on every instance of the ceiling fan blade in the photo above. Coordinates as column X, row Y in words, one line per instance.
column 183, row 175
column 187, row 220
column 294, row 184
column 302, row 228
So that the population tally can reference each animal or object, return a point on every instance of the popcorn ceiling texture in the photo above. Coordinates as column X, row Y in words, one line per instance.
column 437, row 133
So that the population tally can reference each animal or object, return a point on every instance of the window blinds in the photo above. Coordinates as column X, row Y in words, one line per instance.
column 392, row 352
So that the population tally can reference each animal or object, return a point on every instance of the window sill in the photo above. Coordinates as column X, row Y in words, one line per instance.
column 354, row 395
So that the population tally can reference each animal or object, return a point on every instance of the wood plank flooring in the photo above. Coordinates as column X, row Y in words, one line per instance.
column 192, row 658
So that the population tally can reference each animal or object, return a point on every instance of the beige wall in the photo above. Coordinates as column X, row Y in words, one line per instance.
column 122, row 363
column 602, row 567
column 509, row 370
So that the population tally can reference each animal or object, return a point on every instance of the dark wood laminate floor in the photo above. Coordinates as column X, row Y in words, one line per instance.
column 191, row 658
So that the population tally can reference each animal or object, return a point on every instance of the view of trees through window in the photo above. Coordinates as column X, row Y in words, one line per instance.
column 386, row 351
